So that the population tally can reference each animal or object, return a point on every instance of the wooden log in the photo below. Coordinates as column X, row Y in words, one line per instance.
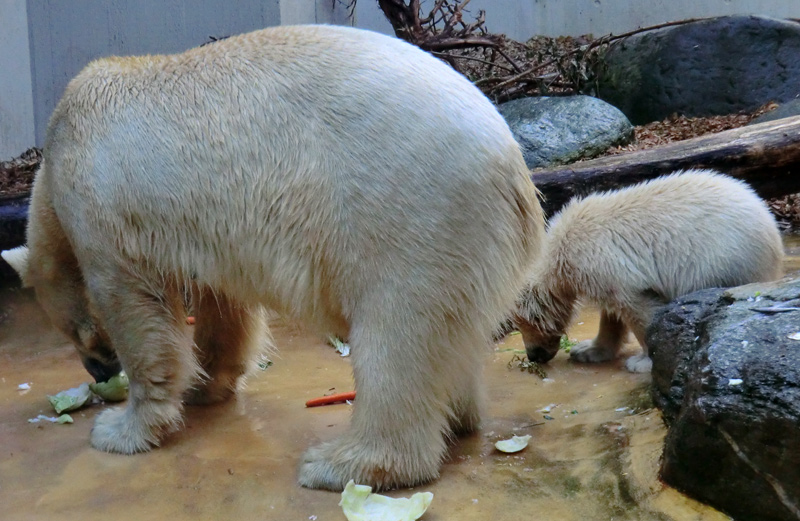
column 766, row 156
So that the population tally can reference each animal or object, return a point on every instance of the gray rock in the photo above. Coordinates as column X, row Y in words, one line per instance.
column 717, row 66
column 785, row 110
column 727, row 378
column 560, row 130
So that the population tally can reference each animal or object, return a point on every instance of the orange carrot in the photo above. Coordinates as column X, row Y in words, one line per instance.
column 334, row 398
column 190, row 321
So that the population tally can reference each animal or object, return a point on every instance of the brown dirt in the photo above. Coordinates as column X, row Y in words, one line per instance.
column 679, row 128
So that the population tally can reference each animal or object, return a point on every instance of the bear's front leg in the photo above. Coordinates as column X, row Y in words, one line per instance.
column 606, row 345
column 144, row 322
column 402, row 413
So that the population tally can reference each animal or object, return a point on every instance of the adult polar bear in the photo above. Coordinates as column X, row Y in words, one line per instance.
column 342, row 177
column 637, row 248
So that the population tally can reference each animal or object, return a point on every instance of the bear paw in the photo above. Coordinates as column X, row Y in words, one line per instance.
column 316, row 471
column 115, row 431
column 208, row 393
column 639, row 364
column 331, row 465
column 589, row 352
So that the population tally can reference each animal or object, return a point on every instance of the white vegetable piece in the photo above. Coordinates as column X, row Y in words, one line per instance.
column 64, row 418
column 360, row 504
column 341, row 347
column 114, row 390
column 515, row 444
column 71, row 399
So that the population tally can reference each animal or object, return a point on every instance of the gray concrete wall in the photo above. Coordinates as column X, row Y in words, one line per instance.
column 599, row 17
column 44, row 43
column 16, row 98
column 295, row 12
column 65, row 36
column 521, row 19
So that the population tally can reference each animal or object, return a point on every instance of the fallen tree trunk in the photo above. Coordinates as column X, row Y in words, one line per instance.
column 766, row 156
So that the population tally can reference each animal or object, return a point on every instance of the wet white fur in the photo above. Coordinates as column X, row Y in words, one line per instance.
column 634, row 249
column 17, row 258
column 342, row 177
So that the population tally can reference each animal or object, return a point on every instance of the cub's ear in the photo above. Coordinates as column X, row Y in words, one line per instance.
column 18, row 259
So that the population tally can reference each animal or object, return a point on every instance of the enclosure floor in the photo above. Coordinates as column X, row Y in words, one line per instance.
column 238, row 460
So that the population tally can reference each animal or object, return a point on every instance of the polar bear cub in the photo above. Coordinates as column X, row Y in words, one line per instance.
column 342, row 177
column 637, row 248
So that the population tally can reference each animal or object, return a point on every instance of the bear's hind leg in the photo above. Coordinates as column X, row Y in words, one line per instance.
column 638, row 317
column 606, row 345
column 467, row 399
column 144, row 320
column 404, row 374
column 228, row 338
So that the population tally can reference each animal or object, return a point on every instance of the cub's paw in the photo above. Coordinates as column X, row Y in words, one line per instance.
column 115, row 430
column 639, row 364
column 588, row 351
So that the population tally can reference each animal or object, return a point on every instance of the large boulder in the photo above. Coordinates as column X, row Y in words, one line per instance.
column 726, row 374
column 716, row 66
column 560, row 130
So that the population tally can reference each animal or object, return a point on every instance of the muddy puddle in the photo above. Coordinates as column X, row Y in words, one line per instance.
column 595, row 459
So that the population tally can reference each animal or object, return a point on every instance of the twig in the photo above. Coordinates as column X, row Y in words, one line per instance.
column 469, row 58
column 508, row 59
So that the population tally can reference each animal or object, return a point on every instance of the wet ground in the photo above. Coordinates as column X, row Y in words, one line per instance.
column 595, row 459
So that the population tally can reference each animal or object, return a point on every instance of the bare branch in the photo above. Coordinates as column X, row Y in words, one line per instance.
column 469, row 58
column 437, row 31
column 443, row 29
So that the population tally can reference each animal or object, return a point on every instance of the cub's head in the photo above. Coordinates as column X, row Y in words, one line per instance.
column 542, row 317
column 61, row 292
column 540, row 346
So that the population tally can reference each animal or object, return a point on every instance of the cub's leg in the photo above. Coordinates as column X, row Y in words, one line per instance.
column 606, row 345
column 638, row 317
column 228, row 337
column 401, row 417
column 144, row 320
